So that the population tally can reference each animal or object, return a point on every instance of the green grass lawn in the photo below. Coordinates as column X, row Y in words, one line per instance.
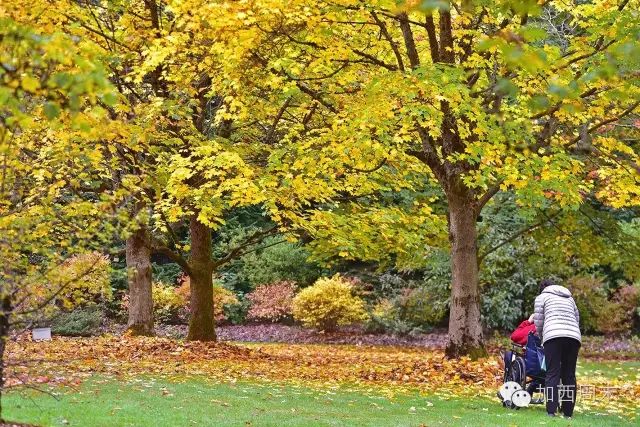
column 628, row 370
column 197, row 402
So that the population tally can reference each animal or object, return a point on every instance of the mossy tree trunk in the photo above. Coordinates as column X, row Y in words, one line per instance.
column 201, row 322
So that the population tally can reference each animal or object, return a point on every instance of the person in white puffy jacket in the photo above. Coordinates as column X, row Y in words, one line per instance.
column 558, row 323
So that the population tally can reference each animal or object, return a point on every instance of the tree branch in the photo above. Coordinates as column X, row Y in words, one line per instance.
column 433, row 39
column 237, row 251
column 387, row 36
column 173, row 256
column 516, row 235
column 488, row 195
column 409, row 42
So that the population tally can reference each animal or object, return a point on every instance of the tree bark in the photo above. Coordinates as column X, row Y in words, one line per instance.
column 465, row 326
column 138, row 255
column 201, row 321
column 5, row 312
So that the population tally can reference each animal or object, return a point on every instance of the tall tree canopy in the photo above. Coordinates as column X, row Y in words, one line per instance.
column 346, row 100
column 174, row 163
column 373, row 125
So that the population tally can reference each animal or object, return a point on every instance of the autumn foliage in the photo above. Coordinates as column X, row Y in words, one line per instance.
column 381, row 130
column 328, row 303
column 601, row 312
column 272, row 302
column 80, row 280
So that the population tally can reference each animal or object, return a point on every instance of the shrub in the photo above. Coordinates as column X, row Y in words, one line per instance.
column 168, row 305
column 271, row 303
column 222, row 297
column 279, row 262
column 590, row 296
column 166, row 273
column 507, row 301
column 236, row 314
column 84, row 279
column 81, row 322
column 420, row 307
column 328, row 304
column 384, row 318
column 599, row 314
column 413, row 310
column 620, row 313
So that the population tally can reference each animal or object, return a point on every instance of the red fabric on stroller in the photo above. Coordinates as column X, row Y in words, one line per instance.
column 521, row 334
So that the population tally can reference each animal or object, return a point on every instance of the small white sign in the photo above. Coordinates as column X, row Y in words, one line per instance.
column 41, row 334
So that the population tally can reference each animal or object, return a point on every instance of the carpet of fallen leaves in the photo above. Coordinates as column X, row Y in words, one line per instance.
column 393, row 369
column 122, row 355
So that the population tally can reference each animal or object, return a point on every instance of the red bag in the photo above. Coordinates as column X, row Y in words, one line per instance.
column 519, row 336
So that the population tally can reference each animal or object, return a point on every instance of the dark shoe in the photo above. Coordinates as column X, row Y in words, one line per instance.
column 537, row 401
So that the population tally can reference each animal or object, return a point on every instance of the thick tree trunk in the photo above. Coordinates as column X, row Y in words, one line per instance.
column 465, row 327
column 140, row 299
column 201, row 322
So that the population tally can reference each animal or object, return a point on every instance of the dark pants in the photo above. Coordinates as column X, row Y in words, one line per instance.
column 535, row 386
column 561, row 355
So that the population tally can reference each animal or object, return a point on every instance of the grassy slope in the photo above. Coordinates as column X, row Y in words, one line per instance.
column 104, row 402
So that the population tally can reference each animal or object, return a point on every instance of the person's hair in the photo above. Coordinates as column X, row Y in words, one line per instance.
column 545, row 283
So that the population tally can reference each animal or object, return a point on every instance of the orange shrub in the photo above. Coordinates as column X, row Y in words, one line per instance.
column 272, row 302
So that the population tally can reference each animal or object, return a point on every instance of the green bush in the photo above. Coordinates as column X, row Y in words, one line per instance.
column 280, row 262
column 384, row 318
column 507, row 301
column 166, row 273
column 81, row 322
column 412, row 310
column 590, row 296
column 236, row 313
column 420, row 307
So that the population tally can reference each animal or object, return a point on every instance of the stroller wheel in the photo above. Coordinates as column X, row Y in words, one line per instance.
column 517, row 372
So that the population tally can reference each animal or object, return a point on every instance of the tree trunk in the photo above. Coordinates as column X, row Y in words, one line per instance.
column 201, row 322
column 465, row 327
column 5, row 312
column 138, row 256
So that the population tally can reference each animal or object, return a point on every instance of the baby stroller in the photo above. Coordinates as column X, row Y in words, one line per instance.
column 523, row 373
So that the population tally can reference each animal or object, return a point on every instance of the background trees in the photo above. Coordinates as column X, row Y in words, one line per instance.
column 402, row 137
column 50, row 119
column 472, row 98
column 175, row 162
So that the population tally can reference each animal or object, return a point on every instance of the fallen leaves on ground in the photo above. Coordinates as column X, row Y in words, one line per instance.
column 123, row 355
column 386, row 368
